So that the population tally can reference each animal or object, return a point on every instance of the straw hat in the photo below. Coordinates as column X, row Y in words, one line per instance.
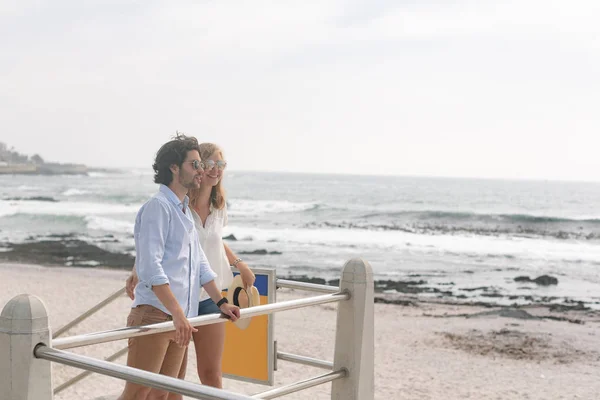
column 243, row 298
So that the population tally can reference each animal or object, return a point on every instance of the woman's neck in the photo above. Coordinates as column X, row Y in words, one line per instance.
column 203, row 199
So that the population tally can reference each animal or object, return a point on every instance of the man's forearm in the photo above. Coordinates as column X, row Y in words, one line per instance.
column 167, row 298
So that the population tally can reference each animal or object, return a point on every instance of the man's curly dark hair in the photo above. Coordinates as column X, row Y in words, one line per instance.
column 172, row 152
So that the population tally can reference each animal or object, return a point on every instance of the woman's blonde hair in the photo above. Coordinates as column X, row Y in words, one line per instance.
column 217, row 194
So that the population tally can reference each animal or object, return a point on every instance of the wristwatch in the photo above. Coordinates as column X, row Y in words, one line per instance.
column 222, row 301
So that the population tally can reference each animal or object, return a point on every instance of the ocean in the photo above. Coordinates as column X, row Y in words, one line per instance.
column 463, row 238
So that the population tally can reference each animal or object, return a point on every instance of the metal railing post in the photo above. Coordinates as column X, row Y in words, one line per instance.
column 23, row 325
column 354, row 341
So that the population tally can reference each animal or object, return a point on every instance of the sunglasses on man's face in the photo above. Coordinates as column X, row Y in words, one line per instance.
column 196, row 165
column 210, row 164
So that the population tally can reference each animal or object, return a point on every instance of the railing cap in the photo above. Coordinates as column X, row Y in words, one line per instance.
column 24, row 313
column 357, row 271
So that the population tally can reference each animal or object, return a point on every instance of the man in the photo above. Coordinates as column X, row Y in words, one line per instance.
column 171, row 267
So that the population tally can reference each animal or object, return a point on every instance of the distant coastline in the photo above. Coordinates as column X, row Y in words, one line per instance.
column 44, row 169
column 13, row 163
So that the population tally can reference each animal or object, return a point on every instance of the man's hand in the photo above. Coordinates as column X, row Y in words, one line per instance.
column 130, row 284
column 232, row 311
column 183, row 330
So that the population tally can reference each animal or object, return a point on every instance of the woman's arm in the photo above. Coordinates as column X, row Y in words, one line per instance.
column 247, row 275
column 232, row 311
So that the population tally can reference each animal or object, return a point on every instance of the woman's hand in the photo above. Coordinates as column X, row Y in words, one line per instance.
column 248, row 277
column 130, row 284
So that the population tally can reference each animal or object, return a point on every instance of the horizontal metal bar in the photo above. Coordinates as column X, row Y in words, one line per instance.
column 124, row 333
column 297, row 386
column 82, row 375
column 89, row 312
column 137, row 376
column 313, row 362
column 313, row 287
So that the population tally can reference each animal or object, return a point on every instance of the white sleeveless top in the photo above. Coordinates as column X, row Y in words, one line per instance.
column 211, row 241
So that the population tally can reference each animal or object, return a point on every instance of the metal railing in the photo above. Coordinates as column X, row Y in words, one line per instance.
column 352, row 369
column 90, row 312
column 126, row 333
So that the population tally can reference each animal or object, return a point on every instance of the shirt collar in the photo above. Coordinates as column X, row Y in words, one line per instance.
column 173, row 197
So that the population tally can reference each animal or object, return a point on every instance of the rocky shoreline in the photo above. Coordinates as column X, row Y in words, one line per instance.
column 64, row 250
column 406, row 293
column 68, row 250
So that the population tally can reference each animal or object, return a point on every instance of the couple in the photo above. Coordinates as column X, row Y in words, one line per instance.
column 179, row 248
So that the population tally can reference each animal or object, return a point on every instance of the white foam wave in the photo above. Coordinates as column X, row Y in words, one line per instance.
column 27, row 188
column 141, row 172
column 64, row 208
column 521, row 248
column 74, row 192
column 97, row 174
column 109, row 224
column 260, row 207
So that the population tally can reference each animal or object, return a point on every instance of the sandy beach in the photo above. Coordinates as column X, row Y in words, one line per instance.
column 423, row 350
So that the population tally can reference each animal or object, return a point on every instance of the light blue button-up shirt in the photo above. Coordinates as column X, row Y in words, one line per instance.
column 168, row 251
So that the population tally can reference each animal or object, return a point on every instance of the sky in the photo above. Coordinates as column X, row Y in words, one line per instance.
column 469, row 88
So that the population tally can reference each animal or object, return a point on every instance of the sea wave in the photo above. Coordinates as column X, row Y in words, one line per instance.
column 64, row 208
column 109, row 224
column 515, row 218
column 74, row 192
column 260, row 207
column 441, row 227
column 349, row 241
column 27, row 188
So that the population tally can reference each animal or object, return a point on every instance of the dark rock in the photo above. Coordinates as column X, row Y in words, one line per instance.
column 230, row 237
column 546, row 280
column 403, row 286
column 61, row 235
column 34, row 198
column 400, row 302
column 491, row 295
column 304, row 278
column 505, row 312
column 484, row 288
column 260, row 252
column 564, row 307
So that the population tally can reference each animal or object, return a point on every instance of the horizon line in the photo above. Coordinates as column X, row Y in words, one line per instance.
column 427, row 176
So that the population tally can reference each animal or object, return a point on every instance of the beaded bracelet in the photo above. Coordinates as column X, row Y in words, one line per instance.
column 236, row 262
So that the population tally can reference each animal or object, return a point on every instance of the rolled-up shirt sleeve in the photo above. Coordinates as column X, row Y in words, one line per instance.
column 205, row 271
column 153, row 225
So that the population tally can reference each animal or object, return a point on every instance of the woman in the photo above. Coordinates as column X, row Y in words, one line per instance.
column 209, row 210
